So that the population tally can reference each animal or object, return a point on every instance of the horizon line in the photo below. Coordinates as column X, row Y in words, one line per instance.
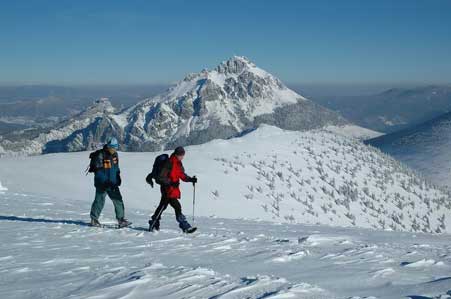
column 156, row 83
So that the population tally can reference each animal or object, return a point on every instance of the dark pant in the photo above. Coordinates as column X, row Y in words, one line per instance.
column 99, row 202
column 175, row 204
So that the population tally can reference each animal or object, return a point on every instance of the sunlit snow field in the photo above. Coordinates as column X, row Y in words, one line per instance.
column 267, row 227
column 48, row 251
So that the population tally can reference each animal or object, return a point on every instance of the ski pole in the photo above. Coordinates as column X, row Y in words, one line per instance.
column 194, row 198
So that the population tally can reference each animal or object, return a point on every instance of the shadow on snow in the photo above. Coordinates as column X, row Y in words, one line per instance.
column 59, row 221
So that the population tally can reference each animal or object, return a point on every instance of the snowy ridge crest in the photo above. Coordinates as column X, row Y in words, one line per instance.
column 318, row 177
column 313, row 177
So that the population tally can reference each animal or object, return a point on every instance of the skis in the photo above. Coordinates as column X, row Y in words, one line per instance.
column 116, row 226
column 111, row 226
column 187, row 231
column 127, row 224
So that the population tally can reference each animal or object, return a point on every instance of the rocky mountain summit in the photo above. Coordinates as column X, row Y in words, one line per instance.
column 232, row 99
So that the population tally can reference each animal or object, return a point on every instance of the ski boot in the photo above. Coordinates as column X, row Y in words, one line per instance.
column 95, row 223
column 154, row 225
column 123, row 223
column 184, row 225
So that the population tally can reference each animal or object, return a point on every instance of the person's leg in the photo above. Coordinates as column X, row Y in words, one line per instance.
column 181, row 219
column 97, row 205
column 116, row 198
column 175, row 203
column 160, row 209
column 154, row 223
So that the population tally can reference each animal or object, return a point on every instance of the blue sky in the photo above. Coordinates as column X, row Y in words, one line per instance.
column 75, row 42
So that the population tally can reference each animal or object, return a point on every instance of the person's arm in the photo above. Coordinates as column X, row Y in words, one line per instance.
column 149, row 180
column 186, row 178
column 183, row 176
column 119, row 179
column 118, row 175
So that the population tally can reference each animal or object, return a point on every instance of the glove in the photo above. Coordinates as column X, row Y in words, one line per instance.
column 174, row 184
column 149, row 179
column 193, row 180
column 119, row 180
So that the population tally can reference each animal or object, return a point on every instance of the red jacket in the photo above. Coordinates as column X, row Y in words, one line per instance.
column 172, row 172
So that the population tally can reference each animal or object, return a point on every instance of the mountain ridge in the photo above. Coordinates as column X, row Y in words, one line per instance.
column 424, row 147
column 394, row 109
column 233, row 98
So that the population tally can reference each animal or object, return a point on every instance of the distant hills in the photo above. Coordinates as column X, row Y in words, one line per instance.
column 388, row 111
column 394, row 109
column 425, row 147
column 45, row 105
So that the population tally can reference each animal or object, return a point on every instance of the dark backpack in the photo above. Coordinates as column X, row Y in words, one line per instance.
column 93, row 163
column 157, row 168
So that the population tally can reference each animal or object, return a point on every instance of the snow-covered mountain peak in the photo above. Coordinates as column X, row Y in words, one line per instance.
column 224, row 102
column 235, row 65
column 99, row 106
column 235, row 78
column 220, row 103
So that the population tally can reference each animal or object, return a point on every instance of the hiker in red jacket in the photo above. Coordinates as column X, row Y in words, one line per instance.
column 169, row 178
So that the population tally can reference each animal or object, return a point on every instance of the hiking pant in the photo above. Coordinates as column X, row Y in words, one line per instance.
column 99, row 202
column 175, row 203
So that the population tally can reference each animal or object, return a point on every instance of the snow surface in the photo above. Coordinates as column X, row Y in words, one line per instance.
column 2, row 189
column 49, row 251
column 269, row 174
column 120, row 119
column 354, row 131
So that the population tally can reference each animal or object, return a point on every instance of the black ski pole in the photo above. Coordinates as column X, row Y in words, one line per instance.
column 194, row 198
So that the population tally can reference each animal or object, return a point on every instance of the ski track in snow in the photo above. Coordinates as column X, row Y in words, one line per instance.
column 48, row 251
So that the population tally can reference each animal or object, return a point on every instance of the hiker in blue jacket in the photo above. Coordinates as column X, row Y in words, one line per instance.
column 107, row 179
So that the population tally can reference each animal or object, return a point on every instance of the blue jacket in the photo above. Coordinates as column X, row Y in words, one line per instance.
column 107, row 174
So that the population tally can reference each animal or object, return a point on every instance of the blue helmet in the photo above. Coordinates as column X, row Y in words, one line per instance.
column 112, row 142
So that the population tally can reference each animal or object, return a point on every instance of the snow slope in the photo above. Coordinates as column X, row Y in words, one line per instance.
column 2, row 189
column 425, row 147
column 269, row 174
column 48, row 251
column 354, row 131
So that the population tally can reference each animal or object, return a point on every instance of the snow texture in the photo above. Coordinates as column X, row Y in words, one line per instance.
column 354, row 131
column 2, row 189
column 49, row 251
